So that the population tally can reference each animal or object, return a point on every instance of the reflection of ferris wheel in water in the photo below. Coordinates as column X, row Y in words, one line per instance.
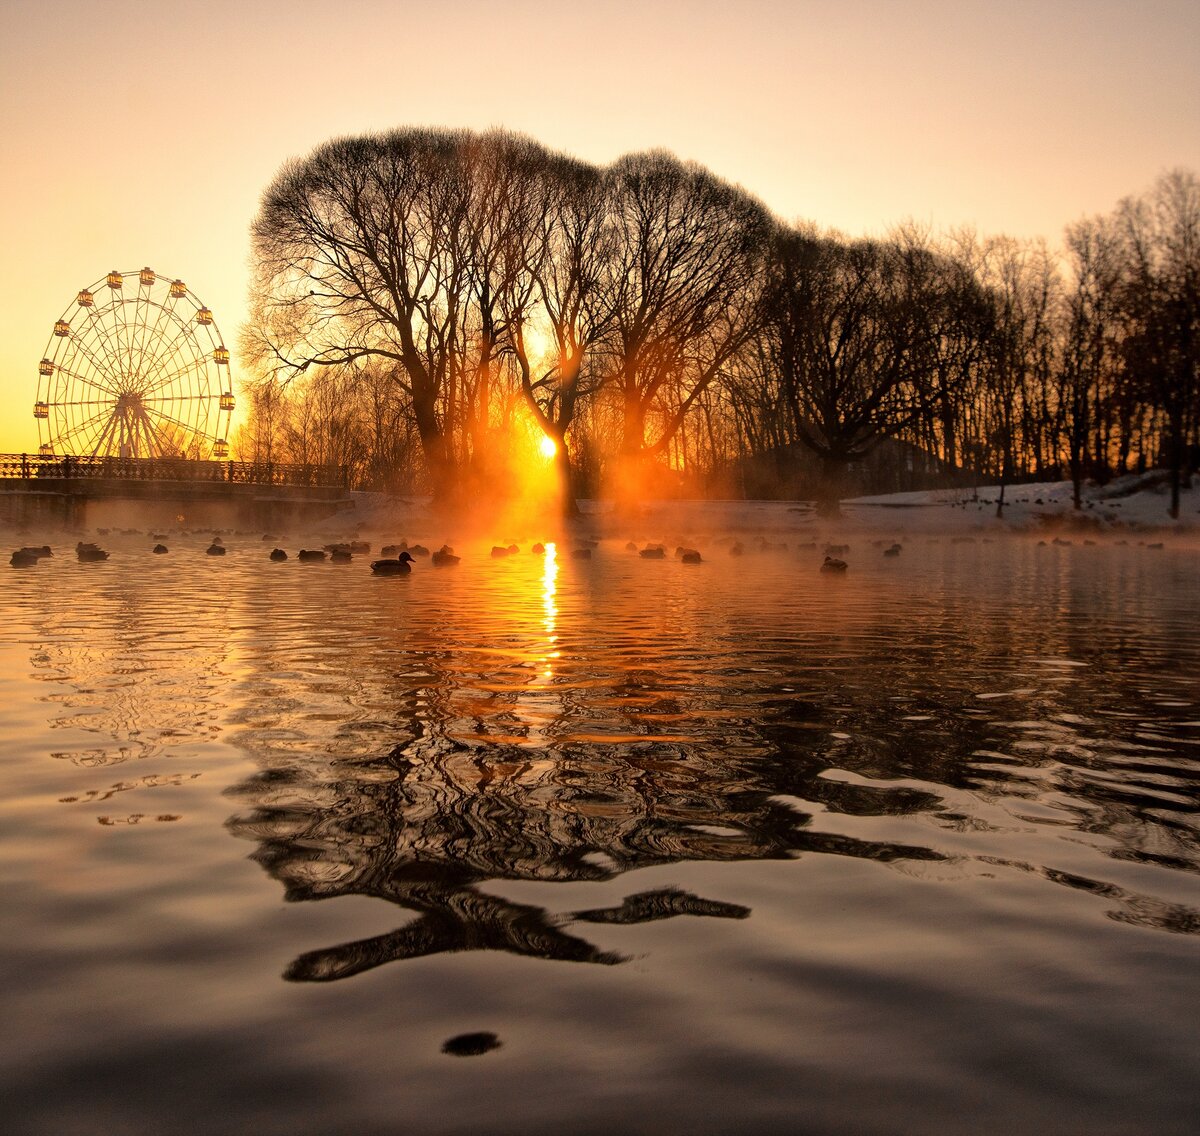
column 135, row 368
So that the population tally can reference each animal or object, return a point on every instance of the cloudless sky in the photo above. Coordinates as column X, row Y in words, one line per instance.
column 143, row 133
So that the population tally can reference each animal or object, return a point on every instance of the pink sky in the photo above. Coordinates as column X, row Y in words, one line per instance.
column 143, row 133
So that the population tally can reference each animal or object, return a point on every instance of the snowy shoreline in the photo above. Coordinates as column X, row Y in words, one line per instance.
column 1124, row 507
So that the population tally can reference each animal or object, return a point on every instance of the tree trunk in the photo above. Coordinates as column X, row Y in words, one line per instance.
column 442, row 470
column 829, row 493
column 1176, row 444
column 562, row 463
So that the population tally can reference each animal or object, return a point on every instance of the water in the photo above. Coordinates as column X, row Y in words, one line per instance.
column 717, row 848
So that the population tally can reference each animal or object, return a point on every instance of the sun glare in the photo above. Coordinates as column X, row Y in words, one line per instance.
column 547, row 446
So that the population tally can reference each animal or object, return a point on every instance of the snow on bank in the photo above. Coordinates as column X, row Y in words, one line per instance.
column 1138, row 503
column 1131, row 505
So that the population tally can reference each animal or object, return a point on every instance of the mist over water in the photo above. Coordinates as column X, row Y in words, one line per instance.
column 611, row 844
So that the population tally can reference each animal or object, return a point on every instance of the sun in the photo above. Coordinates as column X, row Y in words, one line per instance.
column 547, row 446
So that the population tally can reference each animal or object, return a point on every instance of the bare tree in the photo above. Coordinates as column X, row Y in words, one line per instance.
column 1088, row 340
column 357, row 257
column 685, row 286
column 853, row 340
column 558, row 290
column 1161, row 300
column 1020, row 365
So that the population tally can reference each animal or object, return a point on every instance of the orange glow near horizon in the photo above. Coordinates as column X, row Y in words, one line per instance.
column 532, row 489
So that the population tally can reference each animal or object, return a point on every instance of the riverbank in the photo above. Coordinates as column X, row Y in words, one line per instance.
column 1127, row 508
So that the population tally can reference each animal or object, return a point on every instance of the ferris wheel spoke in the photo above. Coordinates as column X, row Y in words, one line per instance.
column 144, row 428
column 87, row 385
column 119, row 331
column 186, row 427
column 148, row 335
column 155, row 336
column 199, row 366
column 97, row 365
column 137, row 325
column 183, row 332
column 132, row 327
column 82, row 427
column 94, row 328
column 104, row 439
column 103, row 354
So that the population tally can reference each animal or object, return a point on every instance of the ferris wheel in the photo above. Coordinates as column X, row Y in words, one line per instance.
column 135, row 368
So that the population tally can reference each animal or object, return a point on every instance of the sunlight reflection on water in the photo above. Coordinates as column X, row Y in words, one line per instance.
column 949, row 798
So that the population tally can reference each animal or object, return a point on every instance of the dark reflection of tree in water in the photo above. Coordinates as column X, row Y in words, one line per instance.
column 424, row 825
column 641, row 750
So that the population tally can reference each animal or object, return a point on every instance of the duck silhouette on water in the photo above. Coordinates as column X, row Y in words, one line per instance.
column 28, row 556
column 445, row 558
column 90, row 553
column 398, row 567
column 833, row 565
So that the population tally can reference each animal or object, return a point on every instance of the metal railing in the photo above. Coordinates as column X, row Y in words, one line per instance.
column 32, row 466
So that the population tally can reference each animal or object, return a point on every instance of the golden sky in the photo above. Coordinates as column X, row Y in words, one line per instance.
column 142, row 133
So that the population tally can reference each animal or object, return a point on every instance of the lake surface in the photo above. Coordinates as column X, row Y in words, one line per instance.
column 731, row 847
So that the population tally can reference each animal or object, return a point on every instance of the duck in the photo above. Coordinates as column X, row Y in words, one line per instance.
column 89, row 553
column 893, row 551
column 216, row 549
column 310, row 555
column 445, row 558
column 23, row 558
column 690, row 556
column 159, row 549
column 341, row 556
column 40, row 551
column 538, row 549
column 418, row 550
column 653, row 552
column 277, row 554
column 393, row 549
column 630, row 546
column 832, row 565
column 397, row 567
column 498, row 551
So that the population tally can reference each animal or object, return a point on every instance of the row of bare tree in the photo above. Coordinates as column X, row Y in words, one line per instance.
column 419, row 292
